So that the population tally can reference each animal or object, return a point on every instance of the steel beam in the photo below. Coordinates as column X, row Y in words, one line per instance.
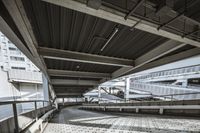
column 134, row 9
column 152, row 55
column 83, row 57
column 118, row 17
column 67, row 73
column 74, row 82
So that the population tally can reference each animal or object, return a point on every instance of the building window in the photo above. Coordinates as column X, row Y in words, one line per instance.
column 13, row 58
column 11, row 48
column 18, row 68
column 14, row 51
column 9, row 42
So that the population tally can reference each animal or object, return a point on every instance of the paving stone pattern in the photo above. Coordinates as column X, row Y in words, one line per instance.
column 73, row 120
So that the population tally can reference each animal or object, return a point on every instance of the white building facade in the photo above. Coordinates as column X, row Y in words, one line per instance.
column 20, row 79
column 12, row 58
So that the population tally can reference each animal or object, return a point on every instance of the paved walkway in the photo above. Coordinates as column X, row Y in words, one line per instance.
column 73, row 120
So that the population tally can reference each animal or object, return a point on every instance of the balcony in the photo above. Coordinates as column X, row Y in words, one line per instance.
column 24, row 76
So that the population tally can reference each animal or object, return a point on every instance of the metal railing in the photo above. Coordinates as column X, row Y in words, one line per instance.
column 34, row 113
column 179, row 86
column 157, row 89
column 161, row 98
column 171, row 72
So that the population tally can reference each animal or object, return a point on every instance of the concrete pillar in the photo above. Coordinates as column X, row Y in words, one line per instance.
column 37, row 92
column 16, row 130
column 45, row 88
column 161, row 110
column 63, row 101
column 137, row 110
column 127, row 87
column 99, row 94
column 185, row 83
column 36, row 111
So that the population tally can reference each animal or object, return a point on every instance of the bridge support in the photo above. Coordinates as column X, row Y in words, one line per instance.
column 99, row 94
column 127, row 87
column 137, row 110
column 15, row 118
column 161, row 110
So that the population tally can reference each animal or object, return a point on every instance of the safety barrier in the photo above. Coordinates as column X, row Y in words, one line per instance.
column 183, row 107
column 21, row 120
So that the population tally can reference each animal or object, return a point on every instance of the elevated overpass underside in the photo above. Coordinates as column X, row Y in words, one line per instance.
column 80, row 44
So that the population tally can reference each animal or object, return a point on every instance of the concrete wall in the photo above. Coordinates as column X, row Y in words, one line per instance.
column 7, row 90
column 14, row 90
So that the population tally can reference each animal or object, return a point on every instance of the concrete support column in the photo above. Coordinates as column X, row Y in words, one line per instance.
column 137, row 110
column 37, row 92
column 45, row 88
column 16, row 130
column 63, row 101
column 36, row 113
column 185, row 83
column 127, row 87
column 99, row 94
column 161, row 110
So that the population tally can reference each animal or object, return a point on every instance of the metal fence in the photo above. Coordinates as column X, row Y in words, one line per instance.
column 163, row 90
column 16, row 120
column 171, row 72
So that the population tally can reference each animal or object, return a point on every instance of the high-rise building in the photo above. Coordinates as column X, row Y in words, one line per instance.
column 19, row 77
column 12, row 58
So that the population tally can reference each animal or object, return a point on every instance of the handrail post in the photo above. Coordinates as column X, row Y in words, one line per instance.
column 36, row 113
column 16, row 130
column 43, row 108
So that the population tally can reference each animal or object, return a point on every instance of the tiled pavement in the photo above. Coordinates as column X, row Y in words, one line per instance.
column 72, row 120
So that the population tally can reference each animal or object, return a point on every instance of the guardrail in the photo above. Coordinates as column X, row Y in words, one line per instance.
column 175, row 107
column 14, row 123
column 38, row 126
column 160, row 98
column 165, row 90
column 172, row 72
column 137, row 109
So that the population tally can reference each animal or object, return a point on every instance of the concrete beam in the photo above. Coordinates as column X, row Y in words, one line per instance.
column 83, row 57
column 17, row 12
column 118, row 17
column 67, row 73
column 152, row 55
column 74, row 82
column 8, row 32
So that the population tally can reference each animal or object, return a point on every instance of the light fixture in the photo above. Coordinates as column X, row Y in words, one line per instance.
column 110, row 38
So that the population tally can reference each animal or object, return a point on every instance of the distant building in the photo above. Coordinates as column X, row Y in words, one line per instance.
column 12, row 58
column 20, row 79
